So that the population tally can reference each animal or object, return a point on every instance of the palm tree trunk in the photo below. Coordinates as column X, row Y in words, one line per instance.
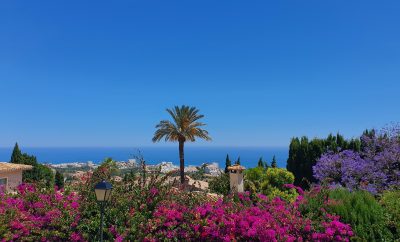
column 182, row 161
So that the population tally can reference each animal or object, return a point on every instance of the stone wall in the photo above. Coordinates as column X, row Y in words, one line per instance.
column 14, row 178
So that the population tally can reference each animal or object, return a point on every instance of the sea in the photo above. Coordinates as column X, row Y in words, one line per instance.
column 249, row 156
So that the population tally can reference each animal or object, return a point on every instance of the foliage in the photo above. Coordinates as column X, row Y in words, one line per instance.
column 273, row 162
column 237, row 161
column 228, row 163
column 260, row 163
column 238, row 218
column 363, row 212
column 220, row 184
column 16, row 154
column 132, row 202
column 59, row 180
column 303, row 155
column 375, row 168
column 35, row 214
column 270, row 182
column 274, row 184
column 358, row 208
column 263, row 164
column 200, row 172
column 391, row 202
column 39, row 173
column 185, row 127
column 154, row 211
column 90, row 211
column 104, row 171
column 253, row 179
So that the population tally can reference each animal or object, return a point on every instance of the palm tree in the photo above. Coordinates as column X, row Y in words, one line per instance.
column 185, row 127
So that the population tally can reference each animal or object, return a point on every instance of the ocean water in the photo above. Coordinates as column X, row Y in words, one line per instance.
column 193, row 155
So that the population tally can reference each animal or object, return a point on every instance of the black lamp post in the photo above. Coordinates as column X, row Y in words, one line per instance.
column 103, row 194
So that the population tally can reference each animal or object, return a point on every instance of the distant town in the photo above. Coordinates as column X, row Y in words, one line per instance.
column 75, row 170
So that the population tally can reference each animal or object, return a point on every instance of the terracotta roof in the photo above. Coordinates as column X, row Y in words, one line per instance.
column 5, row 166
column 236, row 168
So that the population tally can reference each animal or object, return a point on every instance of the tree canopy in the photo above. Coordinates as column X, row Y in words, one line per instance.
column 303, row 155
column 185, row 126
column 39, row 173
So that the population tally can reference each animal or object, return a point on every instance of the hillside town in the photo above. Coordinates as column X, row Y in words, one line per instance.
column 74, row 171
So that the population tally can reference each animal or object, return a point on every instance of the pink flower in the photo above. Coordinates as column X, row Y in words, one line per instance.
column 38, row 205
column 74, row 205
column 153, row 191
column 16, row 225
column 76, row 237
column 120, row 238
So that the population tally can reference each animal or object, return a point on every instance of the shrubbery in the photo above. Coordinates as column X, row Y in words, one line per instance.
column 39, row 173
column 391, row 202
column 220, row 184
column 241, row 219
column 375, row 168
column 358, row 208
column 362, row 211
column 150, row 209
column 270, row 182
column 39, row 215
column 361, row 203
column 274, row 184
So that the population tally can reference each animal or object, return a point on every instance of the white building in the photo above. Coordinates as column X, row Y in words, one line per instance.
column 11, row 174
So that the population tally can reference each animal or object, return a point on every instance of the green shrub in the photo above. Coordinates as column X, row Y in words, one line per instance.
column 313, row 205
column 253, row 178
column 391, row 202
column 270, row 182
column 273, row 184
column 39, row 173
column 220, row 184
column 362, row 211
column 131, row 204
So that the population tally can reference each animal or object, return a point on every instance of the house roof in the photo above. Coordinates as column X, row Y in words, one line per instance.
column 236, row 168
column 6, row 166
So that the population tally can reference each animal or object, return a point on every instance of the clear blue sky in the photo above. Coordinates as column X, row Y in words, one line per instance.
column 101, row 73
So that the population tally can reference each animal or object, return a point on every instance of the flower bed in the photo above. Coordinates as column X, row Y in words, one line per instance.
column 241, row 219
column 39, row 215
column 43, row 215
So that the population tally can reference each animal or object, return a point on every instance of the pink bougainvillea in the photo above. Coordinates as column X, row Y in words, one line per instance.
column 39, row 215
column 243, row 220
column 42, row 215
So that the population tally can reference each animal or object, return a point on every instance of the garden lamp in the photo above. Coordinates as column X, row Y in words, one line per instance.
column 103, row 195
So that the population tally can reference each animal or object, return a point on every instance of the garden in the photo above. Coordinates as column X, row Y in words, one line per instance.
column 355, row 197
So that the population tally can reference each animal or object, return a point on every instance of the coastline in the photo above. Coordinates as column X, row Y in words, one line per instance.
column 194, row 156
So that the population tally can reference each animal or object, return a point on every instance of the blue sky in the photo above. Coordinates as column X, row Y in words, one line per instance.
column 101, row 73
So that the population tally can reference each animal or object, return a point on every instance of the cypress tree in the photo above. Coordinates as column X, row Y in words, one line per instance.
column 260, row 162
column 38, row 173
column 227, row 163
column 304, row 153
column 238, row 161
column 341, row 142
column 292, row 165
column 266, row 166
column 16, row 156
column 59, row 180
column 273, row 163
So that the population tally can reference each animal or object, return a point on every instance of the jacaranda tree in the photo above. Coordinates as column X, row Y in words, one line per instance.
column 375, row 168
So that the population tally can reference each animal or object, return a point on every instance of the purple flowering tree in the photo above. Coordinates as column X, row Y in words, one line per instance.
column 375, row 168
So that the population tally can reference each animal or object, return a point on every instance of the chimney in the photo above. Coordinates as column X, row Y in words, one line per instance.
column 236, row 178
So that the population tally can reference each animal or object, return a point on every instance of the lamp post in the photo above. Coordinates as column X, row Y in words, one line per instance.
column 103, row 194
